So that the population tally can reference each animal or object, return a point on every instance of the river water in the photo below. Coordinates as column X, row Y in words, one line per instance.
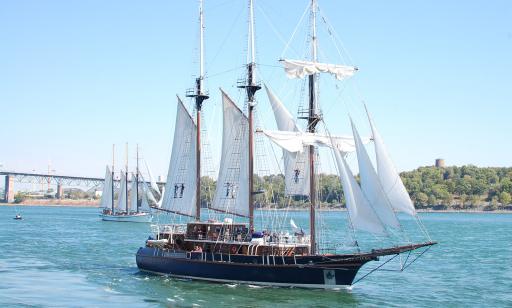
column 67, row 257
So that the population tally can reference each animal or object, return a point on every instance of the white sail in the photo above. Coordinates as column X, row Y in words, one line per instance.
column 106, row 196
column 300, row 69
column 389, row 177
column 152, row 181
column 181, row 185
column 371, row 186
column 159, row 202
column 121, row 199
column 133, row 195
column 296, row 171
column 144, row 207
column 362, row 215
column 232, row 192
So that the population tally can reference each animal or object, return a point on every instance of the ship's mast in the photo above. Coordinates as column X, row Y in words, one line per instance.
column 200, row 95
column 251, row 87
column 137, row 180
column 313, row 119
column 113, row 162
column 126, row 179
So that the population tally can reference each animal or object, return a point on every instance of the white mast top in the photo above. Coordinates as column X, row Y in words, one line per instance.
column 314, row 56
column 251, row 54
column 201, row 44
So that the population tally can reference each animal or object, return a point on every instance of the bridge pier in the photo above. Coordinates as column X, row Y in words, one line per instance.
column 9, row 189
column 60, row 191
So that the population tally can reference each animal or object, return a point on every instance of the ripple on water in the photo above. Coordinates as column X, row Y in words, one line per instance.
column 74, row 259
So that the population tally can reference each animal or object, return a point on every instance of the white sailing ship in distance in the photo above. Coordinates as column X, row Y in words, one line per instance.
column 126, row 208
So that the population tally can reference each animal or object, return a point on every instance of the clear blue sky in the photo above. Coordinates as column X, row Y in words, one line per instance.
column 77, row 76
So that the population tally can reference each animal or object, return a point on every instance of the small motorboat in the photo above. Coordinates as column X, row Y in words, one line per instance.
column 18, row 217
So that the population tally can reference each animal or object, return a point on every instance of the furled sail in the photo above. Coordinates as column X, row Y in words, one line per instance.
column 389, row 177
column 296, row 169
column 106, row 196
column 298, row 141
column 232, row 192
column 371, row 186
column 134, row 195
column 362, row 215
column 181, row 187
column 300, row 69
column 121, row 199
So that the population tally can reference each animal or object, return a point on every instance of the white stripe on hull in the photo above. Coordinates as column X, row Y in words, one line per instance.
column 141, row 217
column 259, row 283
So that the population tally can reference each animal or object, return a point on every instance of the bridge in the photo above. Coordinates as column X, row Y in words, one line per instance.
column 49, row 179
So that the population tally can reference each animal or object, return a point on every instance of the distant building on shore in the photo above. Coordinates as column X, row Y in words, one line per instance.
column 440, row 163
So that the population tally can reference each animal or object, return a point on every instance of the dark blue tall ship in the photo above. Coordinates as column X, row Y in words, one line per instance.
column 221, row 249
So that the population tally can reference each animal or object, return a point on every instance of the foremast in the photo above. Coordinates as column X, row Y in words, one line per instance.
column 251, row 87
column 200, row 96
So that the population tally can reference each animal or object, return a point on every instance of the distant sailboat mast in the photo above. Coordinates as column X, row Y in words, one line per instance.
column 137, row 181
column 313, row 119
column 200, row 96
column 126, row 179
column 113, row 162
column 251, row 88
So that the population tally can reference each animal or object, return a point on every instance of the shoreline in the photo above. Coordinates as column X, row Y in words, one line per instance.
column 93, row 204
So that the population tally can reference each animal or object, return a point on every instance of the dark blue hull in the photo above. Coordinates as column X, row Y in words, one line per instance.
column 300, row 271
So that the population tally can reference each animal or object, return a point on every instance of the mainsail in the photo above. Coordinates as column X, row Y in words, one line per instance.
column 371, row 185
column 296, row 169
column 181, row 186
column 232, row 190
column 121, row 199
column 134, row 195
column 144, row 207
column 300, row 69
column 389, row 177
column 362, row 215
column 106, row 196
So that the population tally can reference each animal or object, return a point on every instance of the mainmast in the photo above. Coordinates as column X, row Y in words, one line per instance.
column 251, row 87
column 126, row 179
column 200, row 95
column 313, row 119
column 113, row 162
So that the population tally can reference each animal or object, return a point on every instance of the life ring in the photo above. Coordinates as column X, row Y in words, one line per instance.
column 233, row 249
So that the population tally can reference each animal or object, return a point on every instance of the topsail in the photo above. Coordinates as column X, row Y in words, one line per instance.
column 296, row 171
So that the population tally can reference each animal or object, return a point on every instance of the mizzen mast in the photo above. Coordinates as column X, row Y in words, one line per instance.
column 200, row 96
column 251, row 87
column 313, row 119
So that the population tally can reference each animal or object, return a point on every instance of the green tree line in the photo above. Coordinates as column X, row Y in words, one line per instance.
column 466, row 187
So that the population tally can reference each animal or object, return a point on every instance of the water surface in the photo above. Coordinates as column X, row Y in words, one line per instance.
column 67, row 257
